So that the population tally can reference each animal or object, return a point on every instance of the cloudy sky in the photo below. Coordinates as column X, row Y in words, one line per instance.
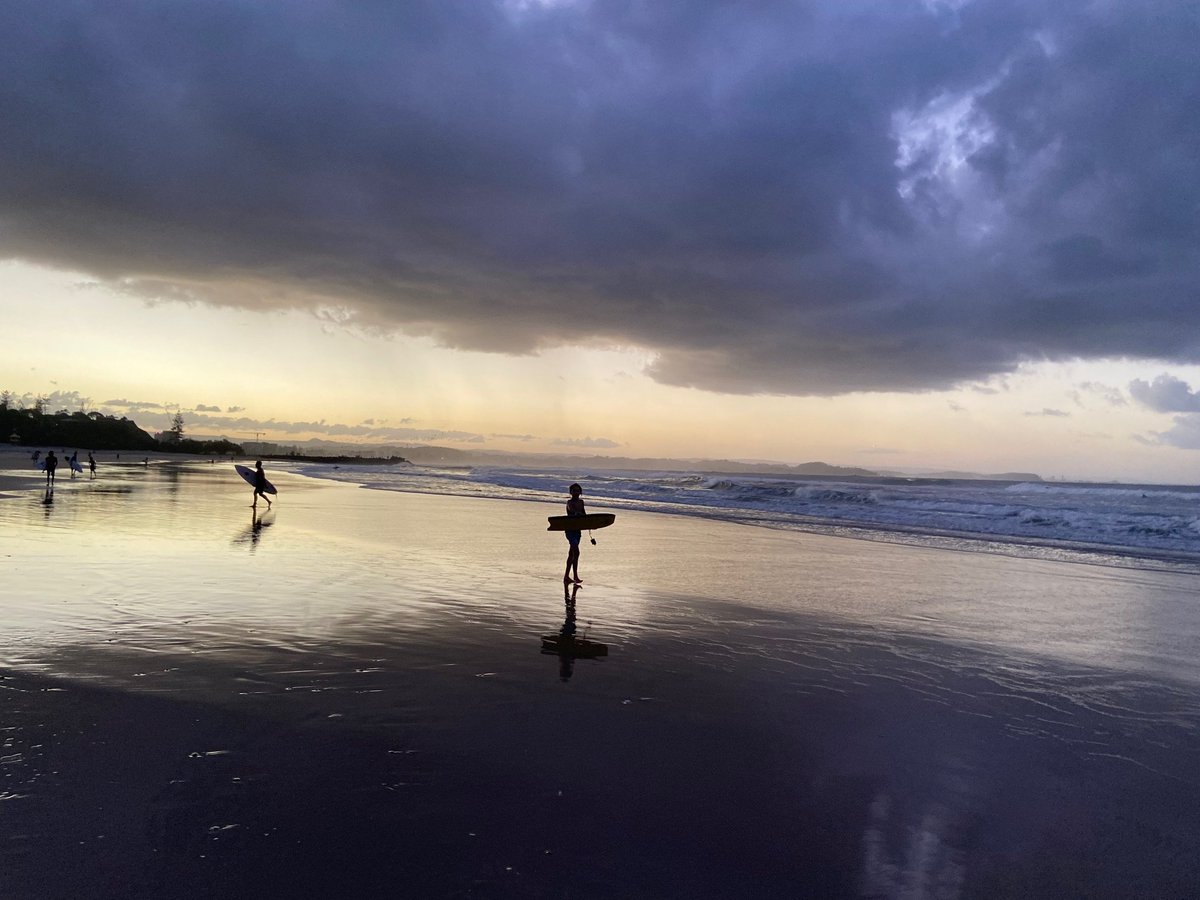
column 959, row 233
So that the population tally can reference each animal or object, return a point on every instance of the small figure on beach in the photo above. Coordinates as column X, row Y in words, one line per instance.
column 260, row 485
column 574, row 508
column 37, row 455
column 73, row 464
column 92, row 464
column 51, row 465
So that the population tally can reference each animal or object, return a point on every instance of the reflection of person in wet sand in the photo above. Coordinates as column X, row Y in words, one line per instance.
column 574, row 508
column 260, row 485
column 253, row 534
column 566, row 644
column 566, row 662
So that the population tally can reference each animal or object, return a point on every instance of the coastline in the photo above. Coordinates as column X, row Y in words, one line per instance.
column 1130, row 527
column 350, row 690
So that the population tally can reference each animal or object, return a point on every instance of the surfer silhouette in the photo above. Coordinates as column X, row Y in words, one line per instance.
column 260, row 485
column 574, row 508
column 92, row 464
column 51, row 465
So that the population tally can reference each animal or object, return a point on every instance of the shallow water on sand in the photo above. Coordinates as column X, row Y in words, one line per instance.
column 349, row 693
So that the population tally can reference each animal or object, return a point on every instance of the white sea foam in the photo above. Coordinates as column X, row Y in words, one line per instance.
column 1126, row 524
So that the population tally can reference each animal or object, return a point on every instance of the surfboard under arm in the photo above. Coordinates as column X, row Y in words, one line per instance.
column 248, row 473
column 589, row 522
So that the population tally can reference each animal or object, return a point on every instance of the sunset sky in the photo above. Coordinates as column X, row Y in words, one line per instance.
column 948, row 233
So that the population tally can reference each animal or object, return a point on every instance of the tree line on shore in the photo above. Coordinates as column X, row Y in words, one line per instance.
column 37, row 427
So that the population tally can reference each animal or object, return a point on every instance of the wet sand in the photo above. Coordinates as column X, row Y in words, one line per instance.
column 348, row 696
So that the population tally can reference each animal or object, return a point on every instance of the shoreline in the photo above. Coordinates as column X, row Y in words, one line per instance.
column 14, row 479
column 921, row 536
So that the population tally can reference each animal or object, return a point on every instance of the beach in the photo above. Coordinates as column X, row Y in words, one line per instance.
column 349, row 694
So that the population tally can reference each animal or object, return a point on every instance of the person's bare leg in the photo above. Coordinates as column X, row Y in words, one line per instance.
column 572, row 566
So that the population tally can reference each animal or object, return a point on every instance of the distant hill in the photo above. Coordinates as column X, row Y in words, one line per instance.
column 94, row 431
column 91, row 431
column 966, row 476
column 432, row 455
column 448, row 456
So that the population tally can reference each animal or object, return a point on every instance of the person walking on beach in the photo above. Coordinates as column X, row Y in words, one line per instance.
column 92, row 464
column 574, row 508
column 73, row 463
column 260, row 485
column 51, row 465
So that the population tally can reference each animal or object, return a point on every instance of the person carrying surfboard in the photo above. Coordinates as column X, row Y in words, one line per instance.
column 574, row 508
column 260, row 485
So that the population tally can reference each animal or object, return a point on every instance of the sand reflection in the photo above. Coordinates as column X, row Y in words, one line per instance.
column 253, row 533
column 566, row 643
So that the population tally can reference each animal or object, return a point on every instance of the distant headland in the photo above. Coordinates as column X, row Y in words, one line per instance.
column 37, row 427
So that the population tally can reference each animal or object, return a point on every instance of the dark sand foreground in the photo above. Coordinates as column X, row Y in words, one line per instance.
column 347, row 696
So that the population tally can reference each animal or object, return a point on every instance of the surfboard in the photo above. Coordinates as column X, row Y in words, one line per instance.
column 589, row 522
column 576, row 648
column 75, row 465
column 248, row 473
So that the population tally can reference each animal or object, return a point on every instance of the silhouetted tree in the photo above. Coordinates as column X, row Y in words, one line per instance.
column 177, row 425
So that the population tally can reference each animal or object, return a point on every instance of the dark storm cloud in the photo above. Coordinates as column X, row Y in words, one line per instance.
column 781, row 197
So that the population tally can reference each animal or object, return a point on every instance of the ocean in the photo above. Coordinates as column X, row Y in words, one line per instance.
column 1129, row 525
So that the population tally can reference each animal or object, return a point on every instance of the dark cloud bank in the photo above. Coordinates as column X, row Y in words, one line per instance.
column 776, row 197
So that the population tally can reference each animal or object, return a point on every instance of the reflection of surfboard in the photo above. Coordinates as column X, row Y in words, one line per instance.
column 589, row 522
column 576, row 648
column 248, row 473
